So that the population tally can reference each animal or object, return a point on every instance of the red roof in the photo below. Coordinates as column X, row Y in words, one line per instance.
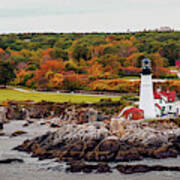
column 68, row 73
column 135, row 112
column 158, row 106
column 133, row 109
column 171, row 95
column 178, row 63
column 157, row 95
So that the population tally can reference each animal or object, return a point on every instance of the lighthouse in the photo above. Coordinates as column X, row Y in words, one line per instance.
column 146, row 91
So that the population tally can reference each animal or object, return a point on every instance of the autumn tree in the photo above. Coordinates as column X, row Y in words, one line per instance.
column 53, row 65
column 59, row 53
column 110, row 61
column 95, row 70
column 72, row 82
column 157, row 63
column 2, row 52
column 81, row 50
column 135, row 60
column 48, row 71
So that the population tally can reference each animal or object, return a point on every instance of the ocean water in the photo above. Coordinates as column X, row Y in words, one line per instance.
column 33, row 169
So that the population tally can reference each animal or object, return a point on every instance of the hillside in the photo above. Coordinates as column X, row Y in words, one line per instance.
column 95, row 61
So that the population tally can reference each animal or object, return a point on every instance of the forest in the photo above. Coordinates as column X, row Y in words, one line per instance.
column 87, row 61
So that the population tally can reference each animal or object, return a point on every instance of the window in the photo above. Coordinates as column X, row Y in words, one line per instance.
column 170, row 108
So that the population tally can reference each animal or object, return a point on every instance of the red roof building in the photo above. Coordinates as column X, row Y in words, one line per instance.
column 178, row 63
column 133, row 113
column 68, row 73
column 169, row 95
column 165, row 102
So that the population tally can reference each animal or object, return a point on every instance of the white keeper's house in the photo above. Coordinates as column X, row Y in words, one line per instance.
column 152, row 104
column 166, row 103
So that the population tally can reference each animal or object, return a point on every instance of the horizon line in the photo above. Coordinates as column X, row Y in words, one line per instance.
column 89, row 32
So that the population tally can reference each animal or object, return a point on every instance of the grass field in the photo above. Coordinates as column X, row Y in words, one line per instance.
column 131, row 77
column 8, row 94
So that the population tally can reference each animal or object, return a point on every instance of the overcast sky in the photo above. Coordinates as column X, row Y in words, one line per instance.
column 87, row 15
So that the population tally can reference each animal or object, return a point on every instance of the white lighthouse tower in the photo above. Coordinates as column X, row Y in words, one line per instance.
column 146, row 91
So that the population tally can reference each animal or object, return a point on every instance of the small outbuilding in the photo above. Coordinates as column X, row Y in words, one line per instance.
column 178, row 63
column 132, row 113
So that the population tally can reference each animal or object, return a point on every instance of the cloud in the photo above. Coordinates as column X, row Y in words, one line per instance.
column 21, row 8
column 106, row 22
column 87, row 15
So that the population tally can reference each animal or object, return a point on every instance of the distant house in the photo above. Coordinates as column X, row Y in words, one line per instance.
column 83, row 77
column 67, row 74
column 165, row 103
column 178, row 63
column 27, row 40
column 165, row 29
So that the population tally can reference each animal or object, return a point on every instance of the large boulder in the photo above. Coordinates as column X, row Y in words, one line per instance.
column 141, row 168
column 15, row 111
column 3, row 118
column 68, row 142
column 117, row 127
column 130, row 154
column 77, row 167
column 105, row 151
column 79, row 115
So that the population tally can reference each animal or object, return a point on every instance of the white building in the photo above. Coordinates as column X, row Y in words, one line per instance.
column 146, row 91
column 152, row 104
column 165, row 29
column 166, row 103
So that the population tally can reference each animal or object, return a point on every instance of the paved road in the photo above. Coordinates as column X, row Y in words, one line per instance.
column 58, row 92
column 80, row 94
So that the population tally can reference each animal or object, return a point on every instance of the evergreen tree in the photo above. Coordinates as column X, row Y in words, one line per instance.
column 6, row 73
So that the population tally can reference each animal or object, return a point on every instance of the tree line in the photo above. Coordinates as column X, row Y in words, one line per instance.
column 77, row 60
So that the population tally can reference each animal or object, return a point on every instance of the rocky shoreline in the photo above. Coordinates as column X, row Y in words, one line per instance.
column 96, row 142
column 78, row 167
column 83, row 135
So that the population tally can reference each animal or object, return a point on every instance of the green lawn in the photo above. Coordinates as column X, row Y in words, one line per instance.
column 7, row 94
column 130, row 77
